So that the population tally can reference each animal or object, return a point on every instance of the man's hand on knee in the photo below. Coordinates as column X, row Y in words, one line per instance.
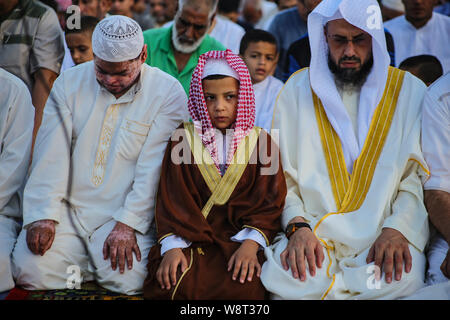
column 40, row 236
column 303, row 246
column 119, row 245
column 391, row 250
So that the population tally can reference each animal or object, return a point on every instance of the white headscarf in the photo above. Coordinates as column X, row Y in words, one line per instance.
column 117, row 39
column 366, row 15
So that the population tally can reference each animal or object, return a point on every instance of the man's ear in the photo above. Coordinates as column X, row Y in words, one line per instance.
column 144, row 53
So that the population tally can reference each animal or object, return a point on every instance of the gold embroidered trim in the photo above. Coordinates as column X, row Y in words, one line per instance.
column 184, row 273
column 259, row 230
column 109, row 124
column 364, row 167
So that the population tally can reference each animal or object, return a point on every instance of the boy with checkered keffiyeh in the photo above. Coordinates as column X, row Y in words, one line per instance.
column 221, row 192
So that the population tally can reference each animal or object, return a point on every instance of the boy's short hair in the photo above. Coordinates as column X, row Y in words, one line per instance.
column 429, row 67
column 228, row 6
column 257, row 35
column 87, row 24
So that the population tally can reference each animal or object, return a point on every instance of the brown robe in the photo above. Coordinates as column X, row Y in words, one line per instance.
column 257, row 201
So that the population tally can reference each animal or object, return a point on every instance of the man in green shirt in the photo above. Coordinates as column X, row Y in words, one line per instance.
column 176, row 49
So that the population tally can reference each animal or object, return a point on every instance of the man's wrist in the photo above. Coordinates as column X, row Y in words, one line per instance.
column 293, row 227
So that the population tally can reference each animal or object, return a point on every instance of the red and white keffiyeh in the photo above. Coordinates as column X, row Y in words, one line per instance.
column 245, row 119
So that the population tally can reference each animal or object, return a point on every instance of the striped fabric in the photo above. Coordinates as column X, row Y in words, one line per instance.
column 30, row 38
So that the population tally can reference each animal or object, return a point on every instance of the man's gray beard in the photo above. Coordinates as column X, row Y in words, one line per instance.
column 183, row 47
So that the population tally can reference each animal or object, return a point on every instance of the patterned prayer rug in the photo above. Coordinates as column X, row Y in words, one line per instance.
column 88, row 291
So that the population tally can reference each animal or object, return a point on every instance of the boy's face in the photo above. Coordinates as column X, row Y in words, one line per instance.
column 221, row 98
column 80, row 46
column 261, row 59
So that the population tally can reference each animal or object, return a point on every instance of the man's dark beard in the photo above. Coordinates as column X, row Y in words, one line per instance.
column 350, row 76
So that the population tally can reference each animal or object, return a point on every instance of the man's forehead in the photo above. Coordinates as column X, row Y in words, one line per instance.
column 112, row 66
column 195, row 15
column 342, row 26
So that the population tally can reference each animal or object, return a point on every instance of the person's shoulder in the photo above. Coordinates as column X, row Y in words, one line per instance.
column 209, row 43
column 154, row 34
column 440, row 87
column 232, row 26
column 298, row 77
column 157, row 75
column 395, row 22
column 11, row 83
column 283, row 14
column 161, row 81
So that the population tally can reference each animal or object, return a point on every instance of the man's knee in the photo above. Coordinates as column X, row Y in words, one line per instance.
column 36, row 272
column 130, row 282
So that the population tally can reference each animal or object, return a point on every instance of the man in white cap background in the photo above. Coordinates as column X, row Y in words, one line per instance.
column 350, row 148
column 421, row 31
column 89, row 200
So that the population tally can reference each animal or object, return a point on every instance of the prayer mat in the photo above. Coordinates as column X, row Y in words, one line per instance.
column 88, row 291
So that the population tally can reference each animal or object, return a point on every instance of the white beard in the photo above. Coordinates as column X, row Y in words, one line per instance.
column 185, row 48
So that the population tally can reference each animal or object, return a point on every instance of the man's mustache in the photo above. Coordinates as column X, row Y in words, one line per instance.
column 352, row 58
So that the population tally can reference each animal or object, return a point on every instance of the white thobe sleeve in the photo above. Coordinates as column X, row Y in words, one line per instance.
column 436, row 142
column 48, row 181
column 249, row 234
column 172, row 242
column 16, row 143
column 138, row 210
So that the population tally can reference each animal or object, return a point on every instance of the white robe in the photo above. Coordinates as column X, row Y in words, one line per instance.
column 16, row 129
column 432, row 39
column 394, row 200
column 228, row 33
column 266, row 93
column 98, row 158
column 436, row 150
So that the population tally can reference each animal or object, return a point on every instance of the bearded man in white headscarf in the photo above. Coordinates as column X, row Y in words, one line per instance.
column 89, row 201
column 354, row 219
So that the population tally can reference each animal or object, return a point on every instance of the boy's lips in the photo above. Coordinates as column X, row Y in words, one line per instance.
column 260, row 71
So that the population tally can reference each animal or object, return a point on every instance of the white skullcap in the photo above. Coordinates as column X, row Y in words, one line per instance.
column 394, row 5
column 117, row 39
column 219, row 67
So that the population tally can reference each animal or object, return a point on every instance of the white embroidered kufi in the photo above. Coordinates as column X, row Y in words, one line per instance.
column 218, row 67
column 365, row 15
column 117, row 39
column 394, row 5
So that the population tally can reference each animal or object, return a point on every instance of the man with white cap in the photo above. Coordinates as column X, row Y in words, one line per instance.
column 350, row 148
column 91, row 192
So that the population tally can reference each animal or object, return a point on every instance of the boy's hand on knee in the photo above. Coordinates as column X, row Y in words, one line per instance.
column 40, row 236
column 245, row 260
column 119, row 245
column 167, row 271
